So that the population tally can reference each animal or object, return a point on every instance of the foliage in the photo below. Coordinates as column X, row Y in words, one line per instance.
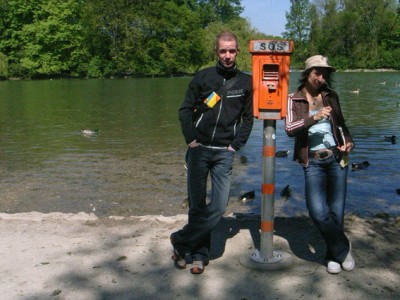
column 298, row 27
column 97, row 38
column 3, row 66
column 41, row 38
column 101, row 38
column 352, row 33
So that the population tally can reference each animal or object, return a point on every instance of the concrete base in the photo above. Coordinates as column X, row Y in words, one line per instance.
column 281, row 260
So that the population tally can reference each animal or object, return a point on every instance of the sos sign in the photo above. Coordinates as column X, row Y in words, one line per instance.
column 271, row 46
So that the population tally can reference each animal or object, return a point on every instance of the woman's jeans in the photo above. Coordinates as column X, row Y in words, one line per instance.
column 193, row 240
column 325, row 188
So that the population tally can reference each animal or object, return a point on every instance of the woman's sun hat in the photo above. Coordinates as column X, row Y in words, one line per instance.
column 318, row 61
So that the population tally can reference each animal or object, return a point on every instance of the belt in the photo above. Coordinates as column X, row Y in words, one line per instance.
column 323, row 153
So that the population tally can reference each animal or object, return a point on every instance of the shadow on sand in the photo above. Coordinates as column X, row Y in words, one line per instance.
column 303, row 238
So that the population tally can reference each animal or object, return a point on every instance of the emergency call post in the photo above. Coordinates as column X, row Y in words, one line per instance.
column 270, row 68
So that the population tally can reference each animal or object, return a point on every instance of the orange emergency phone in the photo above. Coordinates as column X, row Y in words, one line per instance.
column 270, row 70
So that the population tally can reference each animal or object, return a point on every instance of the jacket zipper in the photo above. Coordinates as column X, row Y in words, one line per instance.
column 219, row 114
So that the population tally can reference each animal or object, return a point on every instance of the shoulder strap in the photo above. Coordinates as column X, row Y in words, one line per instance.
column 228, row 84
column 203, row 107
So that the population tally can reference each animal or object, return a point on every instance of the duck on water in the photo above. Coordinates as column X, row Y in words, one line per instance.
column 89, row 132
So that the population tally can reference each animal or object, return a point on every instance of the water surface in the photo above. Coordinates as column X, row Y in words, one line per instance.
column 134, row 164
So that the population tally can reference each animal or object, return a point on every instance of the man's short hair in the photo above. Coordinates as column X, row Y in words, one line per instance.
column 226, row 36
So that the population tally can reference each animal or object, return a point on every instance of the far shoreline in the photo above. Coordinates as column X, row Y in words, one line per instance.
column 180, row 75
column 371, row 70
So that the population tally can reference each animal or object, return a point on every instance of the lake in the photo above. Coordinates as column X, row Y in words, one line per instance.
column 134, row 163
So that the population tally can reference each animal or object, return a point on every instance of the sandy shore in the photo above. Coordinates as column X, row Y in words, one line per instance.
column 78, row 256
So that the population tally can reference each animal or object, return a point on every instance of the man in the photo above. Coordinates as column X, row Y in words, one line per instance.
column 216, row 118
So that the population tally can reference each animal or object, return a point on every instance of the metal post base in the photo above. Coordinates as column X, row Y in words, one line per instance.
column 279, row 260
column 276, row 257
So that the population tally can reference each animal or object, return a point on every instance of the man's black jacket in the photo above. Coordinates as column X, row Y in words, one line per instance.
column 230, row 121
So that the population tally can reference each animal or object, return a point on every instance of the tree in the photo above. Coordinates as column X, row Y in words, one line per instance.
column 144, row 37
column 298, row 28
column 175, row 42
column 52, row 42
column 315, row 31
column 14, row 14
column 41, row 37
column 356, row 33
column 211, row 11
column 337, row 32
column 96, row 38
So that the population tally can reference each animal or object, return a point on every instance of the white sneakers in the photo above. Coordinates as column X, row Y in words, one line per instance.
column 333, row 267
column 347, row 265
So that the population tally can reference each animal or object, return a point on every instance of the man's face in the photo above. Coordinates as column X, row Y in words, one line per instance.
column 227, row 51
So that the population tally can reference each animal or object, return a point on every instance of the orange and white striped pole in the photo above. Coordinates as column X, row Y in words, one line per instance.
column 266, row 254
column 265, row 258
column 268, row 189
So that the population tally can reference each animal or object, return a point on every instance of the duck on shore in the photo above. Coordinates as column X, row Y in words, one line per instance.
column 248, row 196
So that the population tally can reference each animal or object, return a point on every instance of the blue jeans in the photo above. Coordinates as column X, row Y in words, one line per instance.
column 325, row 189
column 193, row 240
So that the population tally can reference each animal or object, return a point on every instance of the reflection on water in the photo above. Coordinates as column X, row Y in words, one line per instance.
column 134, row 164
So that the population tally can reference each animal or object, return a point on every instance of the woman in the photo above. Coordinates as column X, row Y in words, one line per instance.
column 322, row 143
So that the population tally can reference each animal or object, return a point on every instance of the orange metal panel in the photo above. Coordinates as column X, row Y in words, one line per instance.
column 270, row 70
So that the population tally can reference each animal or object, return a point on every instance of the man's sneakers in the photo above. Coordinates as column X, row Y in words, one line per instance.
column 347, row 265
